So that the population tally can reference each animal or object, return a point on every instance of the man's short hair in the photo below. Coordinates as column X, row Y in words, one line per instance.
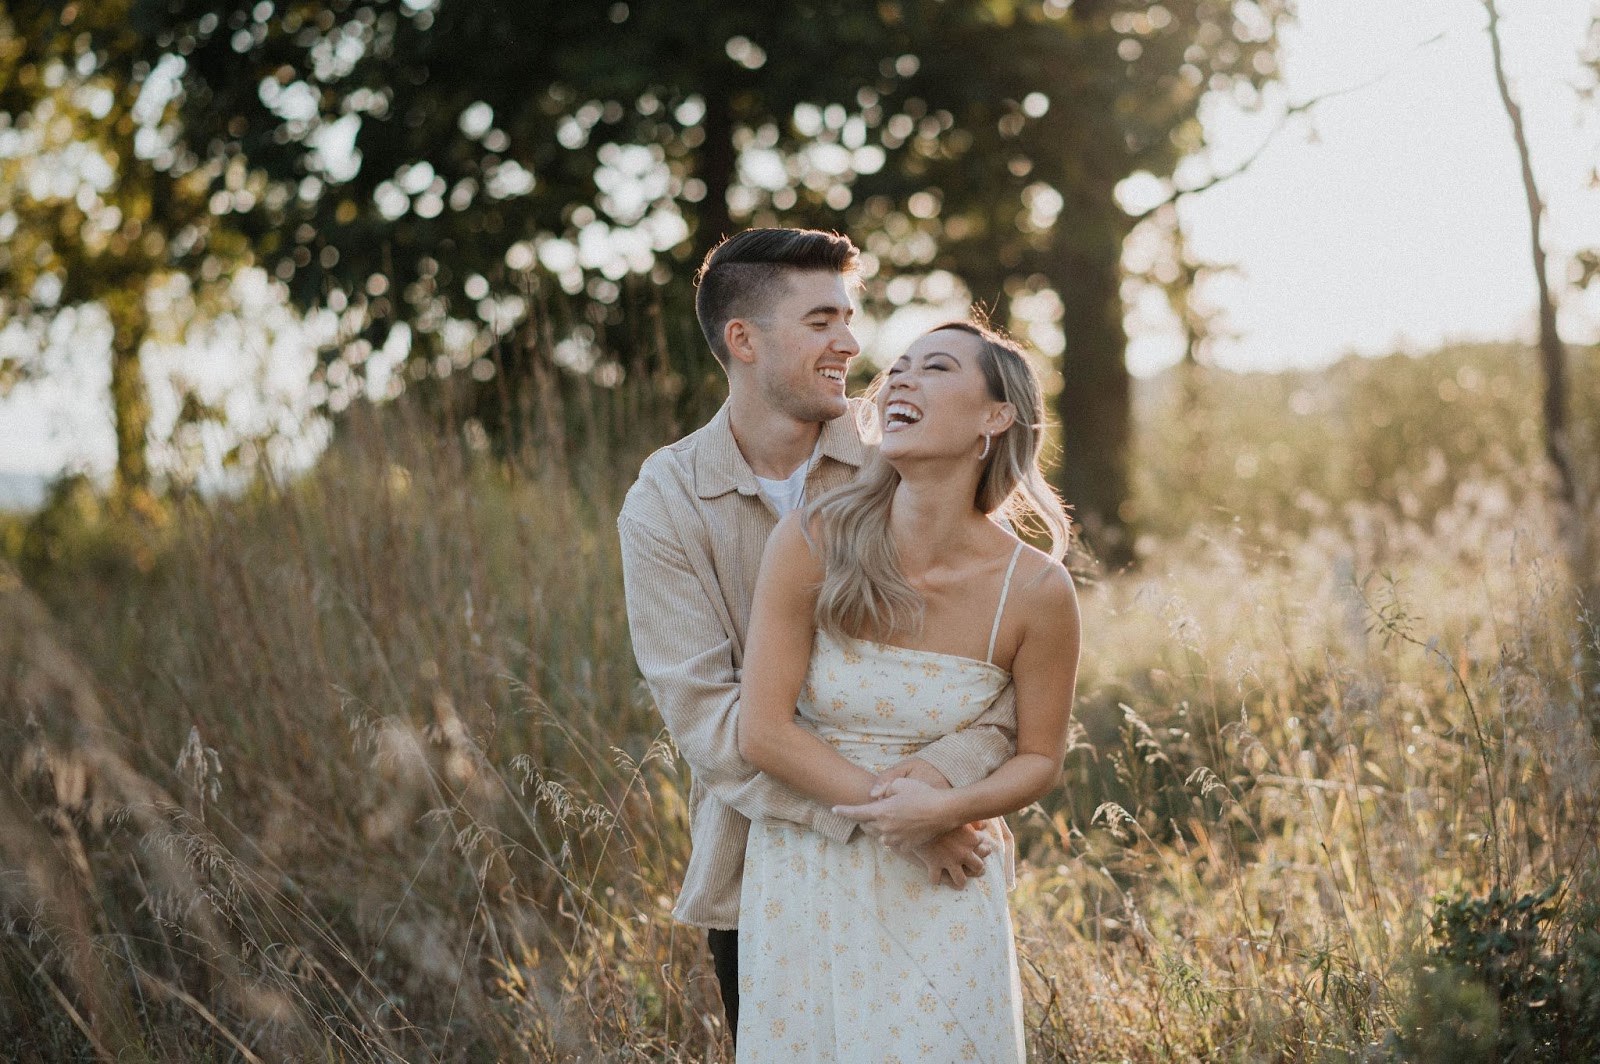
column 743, row 275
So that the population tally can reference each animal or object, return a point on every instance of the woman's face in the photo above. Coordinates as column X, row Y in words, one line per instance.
column 935, row 402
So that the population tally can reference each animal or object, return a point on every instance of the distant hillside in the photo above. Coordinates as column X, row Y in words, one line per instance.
column 1286, row 450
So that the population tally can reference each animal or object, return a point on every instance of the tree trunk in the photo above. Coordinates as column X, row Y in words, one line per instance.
column 717, row 161
column 130, row 399
column 1572, row 502
column 1095, row 403
column 1552, row 353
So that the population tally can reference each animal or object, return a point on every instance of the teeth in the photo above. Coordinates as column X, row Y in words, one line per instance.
column 833, row 374
column 903, row 412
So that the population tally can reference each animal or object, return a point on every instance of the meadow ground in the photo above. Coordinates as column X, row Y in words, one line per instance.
column 357, row 765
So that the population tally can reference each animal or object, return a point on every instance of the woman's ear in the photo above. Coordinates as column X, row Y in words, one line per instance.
column 998, row 420
column 737, row 339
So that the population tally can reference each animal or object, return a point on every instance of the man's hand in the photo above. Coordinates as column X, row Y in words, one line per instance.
column 909, row 814
column 955, row 856
column 913, row 768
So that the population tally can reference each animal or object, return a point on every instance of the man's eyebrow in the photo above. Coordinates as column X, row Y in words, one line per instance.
column 825, row 308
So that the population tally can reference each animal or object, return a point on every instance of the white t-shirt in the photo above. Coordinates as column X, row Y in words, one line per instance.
column 787, row 494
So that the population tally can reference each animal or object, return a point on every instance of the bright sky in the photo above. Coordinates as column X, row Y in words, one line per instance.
column 1392, row 217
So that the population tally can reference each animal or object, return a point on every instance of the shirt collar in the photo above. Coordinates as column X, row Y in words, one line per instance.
column 720, row 467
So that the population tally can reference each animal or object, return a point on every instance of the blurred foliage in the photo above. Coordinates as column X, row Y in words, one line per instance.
column 79, row 539
column 427, row 170
column 1508, row 978
column 99, row 205
column 13, row 526
column 1404, row 436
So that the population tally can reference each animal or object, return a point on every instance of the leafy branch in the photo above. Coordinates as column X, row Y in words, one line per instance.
column 1289, row 114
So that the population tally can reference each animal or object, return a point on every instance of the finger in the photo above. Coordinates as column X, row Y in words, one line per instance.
column 972, row 866
column 888, row 776
column 958, row 878
column 861, row 813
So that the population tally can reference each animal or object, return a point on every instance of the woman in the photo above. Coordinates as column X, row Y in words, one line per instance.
column 893, row 611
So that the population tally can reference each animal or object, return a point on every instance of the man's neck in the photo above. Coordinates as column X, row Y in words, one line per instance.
column 774, row 444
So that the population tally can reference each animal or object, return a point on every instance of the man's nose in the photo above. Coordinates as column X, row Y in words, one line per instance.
column 847, row 344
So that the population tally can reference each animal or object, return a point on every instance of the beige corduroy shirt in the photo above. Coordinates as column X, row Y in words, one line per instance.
column 693, row 528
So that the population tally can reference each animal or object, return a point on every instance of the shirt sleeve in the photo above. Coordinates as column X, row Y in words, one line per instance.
column 967, row 756
column 686, row 656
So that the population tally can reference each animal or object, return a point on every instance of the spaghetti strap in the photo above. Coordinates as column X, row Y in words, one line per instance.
column 1005, row 589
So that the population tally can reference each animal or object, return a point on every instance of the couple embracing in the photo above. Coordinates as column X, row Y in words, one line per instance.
column 864, row 667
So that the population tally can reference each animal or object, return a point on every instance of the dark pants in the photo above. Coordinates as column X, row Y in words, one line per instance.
column 725, row 958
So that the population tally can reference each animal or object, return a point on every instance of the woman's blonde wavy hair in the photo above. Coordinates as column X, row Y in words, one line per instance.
column 863, row 592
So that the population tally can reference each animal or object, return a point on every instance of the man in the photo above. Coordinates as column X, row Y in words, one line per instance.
column 775, row 308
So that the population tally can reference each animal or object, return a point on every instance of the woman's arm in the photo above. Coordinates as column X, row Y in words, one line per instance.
column 1045, row 674
column 775, row 662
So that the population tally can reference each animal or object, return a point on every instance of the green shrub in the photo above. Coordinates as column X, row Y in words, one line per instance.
column 1507, row 979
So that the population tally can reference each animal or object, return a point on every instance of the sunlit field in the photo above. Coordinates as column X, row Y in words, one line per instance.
column 357, row 765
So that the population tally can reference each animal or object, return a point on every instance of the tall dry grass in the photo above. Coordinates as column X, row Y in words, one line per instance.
column 360, row 768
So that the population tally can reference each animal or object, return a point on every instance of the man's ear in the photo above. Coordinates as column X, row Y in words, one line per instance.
column 998, row 420
column 737, row 339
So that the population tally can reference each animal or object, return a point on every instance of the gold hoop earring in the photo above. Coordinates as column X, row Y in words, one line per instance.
column 987, row 440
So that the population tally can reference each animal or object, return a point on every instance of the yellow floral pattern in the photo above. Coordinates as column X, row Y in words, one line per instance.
column 846, row 953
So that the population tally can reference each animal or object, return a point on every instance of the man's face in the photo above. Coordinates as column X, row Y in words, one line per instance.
column 804, row 345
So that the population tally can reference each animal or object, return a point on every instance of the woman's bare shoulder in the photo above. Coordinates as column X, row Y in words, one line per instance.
column 794, row 529
column 1046, row 585
column 795, row 544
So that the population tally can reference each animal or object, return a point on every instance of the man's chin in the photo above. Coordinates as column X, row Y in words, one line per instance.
column 827, row 409
column 805, row 405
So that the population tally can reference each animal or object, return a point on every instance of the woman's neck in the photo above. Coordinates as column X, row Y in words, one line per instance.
column 933, row 519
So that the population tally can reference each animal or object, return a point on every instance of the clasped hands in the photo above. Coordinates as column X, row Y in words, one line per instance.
column 910, row 814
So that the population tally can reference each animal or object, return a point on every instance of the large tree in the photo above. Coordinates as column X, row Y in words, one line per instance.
column 426, row 165
column 99, row 203
column 1028, row 116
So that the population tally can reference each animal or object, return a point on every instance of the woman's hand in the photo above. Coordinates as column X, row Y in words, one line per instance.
column 909, row 814
column 911, row 768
